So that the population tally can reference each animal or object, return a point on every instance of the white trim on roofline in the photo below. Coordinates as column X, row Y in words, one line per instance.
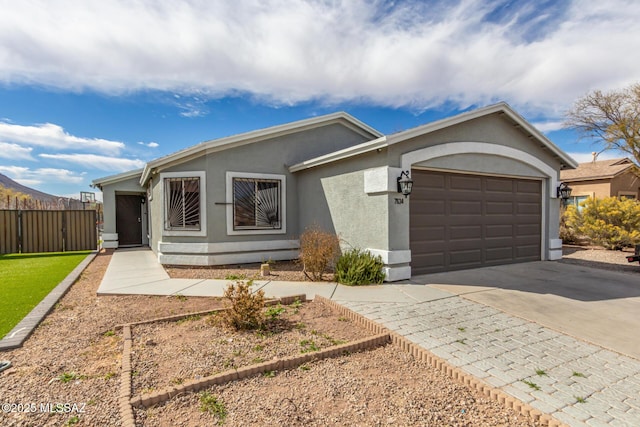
column 99, row 182
column 259, row 135
column 341, row 154
column 501, row 107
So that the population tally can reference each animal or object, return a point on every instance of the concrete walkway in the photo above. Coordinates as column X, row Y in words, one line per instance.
column 578, row 383
column 137, row 272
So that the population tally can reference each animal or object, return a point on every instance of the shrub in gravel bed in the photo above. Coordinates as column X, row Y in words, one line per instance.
column 245, row 308
column 318, row 251
column 357, row 267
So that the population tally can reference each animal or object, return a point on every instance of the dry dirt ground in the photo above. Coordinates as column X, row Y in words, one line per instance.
column 74, row 357
column 279, row 270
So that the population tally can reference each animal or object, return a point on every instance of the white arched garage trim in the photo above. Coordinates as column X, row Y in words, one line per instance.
column 452, row 148
column 553, row 248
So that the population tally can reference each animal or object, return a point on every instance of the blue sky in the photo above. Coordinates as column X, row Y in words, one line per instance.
column 94, row 88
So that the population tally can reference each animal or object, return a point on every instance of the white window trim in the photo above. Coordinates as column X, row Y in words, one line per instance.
column 203, row 203
column 229, row 202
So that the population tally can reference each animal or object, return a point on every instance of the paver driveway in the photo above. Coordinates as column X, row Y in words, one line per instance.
column 598, row 306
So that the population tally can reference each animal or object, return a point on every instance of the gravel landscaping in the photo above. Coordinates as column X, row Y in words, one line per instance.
column 74, row 357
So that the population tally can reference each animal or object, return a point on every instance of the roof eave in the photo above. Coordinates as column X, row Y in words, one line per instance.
column 256, row 136
column 110, row 179
column 365, row 147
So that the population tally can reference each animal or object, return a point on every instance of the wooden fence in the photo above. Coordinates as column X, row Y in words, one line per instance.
column 47, row 231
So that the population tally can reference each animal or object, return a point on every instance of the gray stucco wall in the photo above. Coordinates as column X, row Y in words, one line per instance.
column 333, row 197
column 128, row 186
column 493, row 129
column 273, row 156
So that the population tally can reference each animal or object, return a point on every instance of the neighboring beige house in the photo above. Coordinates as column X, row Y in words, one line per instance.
column 602, row 178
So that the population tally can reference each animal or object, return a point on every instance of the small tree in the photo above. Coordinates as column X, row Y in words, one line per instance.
column 318, row 251
column 610, row 117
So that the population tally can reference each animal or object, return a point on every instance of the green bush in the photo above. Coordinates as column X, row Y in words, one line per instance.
column 610, row 222
column 245, row 308
column 356, row 267
column 318, row 251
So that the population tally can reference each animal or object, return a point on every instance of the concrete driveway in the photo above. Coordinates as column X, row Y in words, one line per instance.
column 601, row 307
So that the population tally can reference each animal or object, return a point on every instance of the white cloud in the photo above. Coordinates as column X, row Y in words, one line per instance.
column 15, row 151
column 549, row 126
column 33, row 177
column 54, row 137
column 395, row 54
column 149, row 144
column 93, row 161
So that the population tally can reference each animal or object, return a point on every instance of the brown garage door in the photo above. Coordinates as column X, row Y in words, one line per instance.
column 466, row 221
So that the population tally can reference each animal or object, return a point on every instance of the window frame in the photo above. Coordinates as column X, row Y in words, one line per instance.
column 231, row 230
column 202, row 192
column 633, row 195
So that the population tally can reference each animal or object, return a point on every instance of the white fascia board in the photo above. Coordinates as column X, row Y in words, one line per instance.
column 258, row 135
column 111, row 179
column 341, row 154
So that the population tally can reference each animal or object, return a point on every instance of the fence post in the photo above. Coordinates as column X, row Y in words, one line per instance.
column 19, row 231
column 64, row 231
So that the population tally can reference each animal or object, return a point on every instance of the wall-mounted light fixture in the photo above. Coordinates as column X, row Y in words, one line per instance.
column 564, row 191
column 405, row 183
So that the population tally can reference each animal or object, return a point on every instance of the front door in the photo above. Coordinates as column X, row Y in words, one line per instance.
column 129, row 220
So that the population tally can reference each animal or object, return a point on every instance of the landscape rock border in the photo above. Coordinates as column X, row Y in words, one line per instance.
column 382, row 336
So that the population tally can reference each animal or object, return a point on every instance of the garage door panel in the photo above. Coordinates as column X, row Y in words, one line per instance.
column 499, row 253
column 464, row 182
column 430, row 263
column 528, row 229
column 433, row 181
column 465, row 257
column 497, row 208
column 432, row 208
column 499, row 185
column 471, row 221
column 525, row 208
column 529, row 253
column 466, row 207
column 499, row 230
column 524, row 186
column 465, row 232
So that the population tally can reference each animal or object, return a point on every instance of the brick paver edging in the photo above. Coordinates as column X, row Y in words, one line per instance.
column 23, row 330
column 455, row 373
column 126, row 402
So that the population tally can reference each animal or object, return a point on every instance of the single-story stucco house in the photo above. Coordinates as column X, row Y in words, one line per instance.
column 484, row 193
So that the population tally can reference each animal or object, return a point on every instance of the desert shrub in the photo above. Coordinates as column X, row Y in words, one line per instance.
column 570, row 225
column 609, row 222
column 318, row 251
column 245, row 308
column 356, row 267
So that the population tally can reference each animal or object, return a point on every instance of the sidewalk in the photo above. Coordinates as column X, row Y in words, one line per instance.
column 578, row 383
column 136, row 271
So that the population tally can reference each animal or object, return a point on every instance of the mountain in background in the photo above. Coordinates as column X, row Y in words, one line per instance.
column 10, row 184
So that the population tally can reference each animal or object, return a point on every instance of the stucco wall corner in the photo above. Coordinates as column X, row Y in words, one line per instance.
column 381, row 179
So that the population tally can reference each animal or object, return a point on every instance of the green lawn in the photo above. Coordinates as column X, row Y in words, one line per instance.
column 25, row 279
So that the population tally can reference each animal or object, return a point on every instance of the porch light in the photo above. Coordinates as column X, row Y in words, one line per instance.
column 564, row 191
column 405, row 183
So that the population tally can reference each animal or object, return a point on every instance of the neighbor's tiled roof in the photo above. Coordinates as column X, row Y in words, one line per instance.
column 596, row 170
